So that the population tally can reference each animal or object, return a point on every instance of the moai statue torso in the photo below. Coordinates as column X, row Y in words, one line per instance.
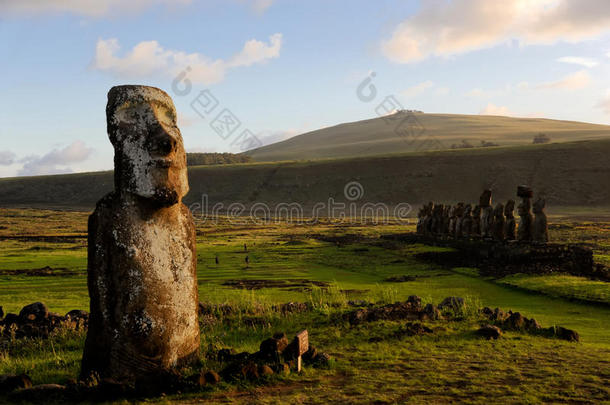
column 459, row 214
column 446, row 219
column 524, row 233
column 420, row 221
column 509, row 227
column 142, row 262
column 475, row 229
column 498, row 222
column 466, row 222
column 438, row 219
column 540, row 231
column 428, row 218
column 486, row 213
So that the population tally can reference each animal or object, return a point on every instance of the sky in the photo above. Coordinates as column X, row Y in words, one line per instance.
column 278, row 68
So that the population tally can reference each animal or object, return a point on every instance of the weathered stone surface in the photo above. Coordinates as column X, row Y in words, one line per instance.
column 141, row 260
column 486, row 214
column 540, row 231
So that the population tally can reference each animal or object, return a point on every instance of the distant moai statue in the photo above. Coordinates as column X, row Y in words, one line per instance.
column 466, row 227
column 446, row 219
column 419, row 228
column 510, row 226
column 499, row 222
column 459, row 214
column 141, row 254
column 428, row 218
column 524, row 233
column 486, row 213
column 540, row 231
column 452, row 220
column 475, row 229
column 438, row 219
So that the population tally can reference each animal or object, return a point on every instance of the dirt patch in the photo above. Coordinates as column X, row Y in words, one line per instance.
column 43, row 271
column 289, row 283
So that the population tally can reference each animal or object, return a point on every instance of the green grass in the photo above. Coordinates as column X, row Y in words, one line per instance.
column 450, row 365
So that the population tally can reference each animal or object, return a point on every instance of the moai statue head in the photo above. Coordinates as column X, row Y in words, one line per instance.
column 476, row 211
column 509, row 208
column 149, row 156
column 485, row 199
column 539, row 205
column 467, row 210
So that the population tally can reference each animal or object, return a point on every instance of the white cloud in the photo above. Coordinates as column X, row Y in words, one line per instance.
column 260, row 6
column 450, row 27
column 148, row 58
column 442, row 91
column 88, row 8
column 573, row 81
column 576, row 60
column 492, row 109
column 418, row 89
column 7, row 158
column 55, row 161
column 604, row 103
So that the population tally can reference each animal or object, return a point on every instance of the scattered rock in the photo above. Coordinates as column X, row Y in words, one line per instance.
column 566, row 334
column 452, row 303
column 34, row 312
column 515, row 321
column 412, row 329
column 358, row 303
column 42, row 393
column 9, row 383
column 211, row 377
column 432, row 312
column 489, row 332
column 321, row 360
column 265, row 370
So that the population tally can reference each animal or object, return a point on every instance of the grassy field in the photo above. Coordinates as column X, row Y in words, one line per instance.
column 371, row 362
column 378, row 136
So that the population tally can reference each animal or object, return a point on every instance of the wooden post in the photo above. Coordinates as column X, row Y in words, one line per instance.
column 302, row 344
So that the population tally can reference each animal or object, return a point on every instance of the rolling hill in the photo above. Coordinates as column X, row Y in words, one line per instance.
column 410, row 132
column 568, row 174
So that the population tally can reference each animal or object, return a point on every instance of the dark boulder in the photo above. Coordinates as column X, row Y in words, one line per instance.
column 452, row 303
column 414, row 302
column 265, row 370
column 34, row 312
column 515, row 321
column 566, row 334
column 489, row 332
column 431, row 312
column 9, row 383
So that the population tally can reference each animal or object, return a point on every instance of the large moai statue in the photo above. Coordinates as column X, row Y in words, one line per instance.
column 475, row 229
column 510, row 226
column 438, row 219
column 540, row 231
column 499, row 222
column 428, row 218
column 141, row 257
column 486, row 213
column 524, row 233
column 419, row 229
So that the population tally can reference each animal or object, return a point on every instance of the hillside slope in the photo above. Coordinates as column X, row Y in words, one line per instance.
column 420, row 132
column 568, row 174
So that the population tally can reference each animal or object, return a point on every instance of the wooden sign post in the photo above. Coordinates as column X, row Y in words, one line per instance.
column 302, row 343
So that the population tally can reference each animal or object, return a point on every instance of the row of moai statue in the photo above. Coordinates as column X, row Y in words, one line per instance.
column 485, row 221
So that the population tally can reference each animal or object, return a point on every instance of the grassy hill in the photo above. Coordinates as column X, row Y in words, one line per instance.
column 568, row 174
column 406, row 132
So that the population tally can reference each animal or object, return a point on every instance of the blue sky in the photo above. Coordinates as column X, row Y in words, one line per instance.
column 284, row 67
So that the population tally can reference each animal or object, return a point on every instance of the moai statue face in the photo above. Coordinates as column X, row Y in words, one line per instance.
column 150, row 160
column 539, row 205
column 499, row 210
column 524, row 208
